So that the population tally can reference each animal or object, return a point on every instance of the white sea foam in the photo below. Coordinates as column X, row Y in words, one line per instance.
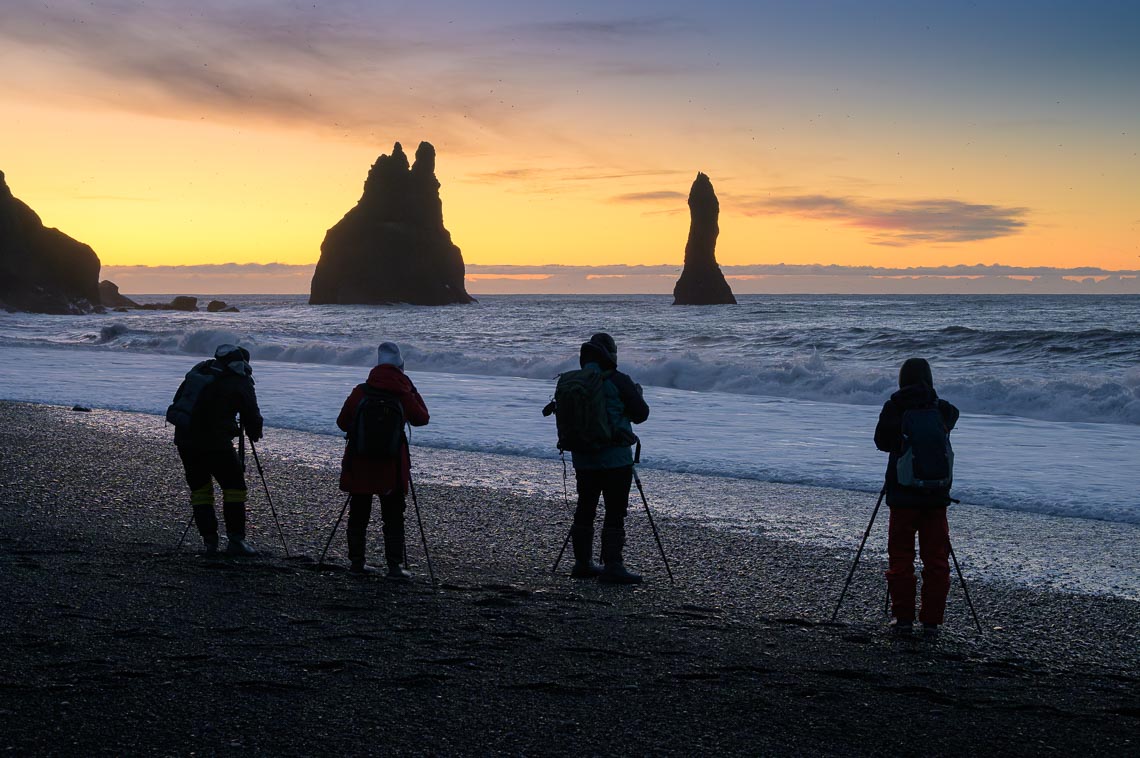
column 1080, row 470
column 1051, row 391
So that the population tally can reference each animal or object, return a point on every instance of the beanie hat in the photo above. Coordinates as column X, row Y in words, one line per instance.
column 234, row 358
column 388, row 354
column 915, row 371
column 603, row 347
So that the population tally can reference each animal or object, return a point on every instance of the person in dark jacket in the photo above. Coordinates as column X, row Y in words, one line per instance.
column 388, row 478
column 206, row 448
column 915, row 511
column 607, row 473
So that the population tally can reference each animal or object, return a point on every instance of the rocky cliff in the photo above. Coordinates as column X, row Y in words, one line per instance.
column 702, row 282
column 392, row 247
column 42, row 270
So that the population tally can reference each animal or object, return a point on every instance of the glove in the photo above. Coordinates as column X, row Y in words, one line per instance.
column 254, row 434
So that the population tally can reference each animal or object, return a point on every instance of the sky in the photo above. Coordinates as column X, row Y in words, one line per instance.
column 854, row 134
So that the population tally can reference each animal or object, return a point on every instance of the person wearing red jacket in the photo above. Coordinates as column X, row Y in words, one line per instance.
column 388, row 478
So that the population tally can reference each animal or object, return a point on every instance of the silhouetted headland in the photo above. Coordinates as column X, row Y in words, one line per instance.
column 702, row 282
column 392, row 247
column 41, row 269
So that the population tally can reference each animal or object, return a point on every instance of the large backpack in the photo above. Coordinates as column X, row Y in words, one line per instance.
column 188, row 398
column 580, row 411
column 377, row 431
column 926, row 460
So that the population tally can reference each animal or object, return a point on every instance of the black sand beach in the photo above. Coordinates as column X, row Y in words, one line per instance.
column 115, row 644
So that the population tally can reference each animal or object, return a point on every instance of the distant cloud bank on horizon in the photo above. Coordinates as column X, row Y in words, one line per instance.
column 778, row 278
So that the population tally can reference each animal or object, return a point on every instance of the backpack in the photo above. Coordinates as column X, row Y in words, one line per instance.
column 377, row 431
column 187, row 399
column 580, row 411
column 926, row 460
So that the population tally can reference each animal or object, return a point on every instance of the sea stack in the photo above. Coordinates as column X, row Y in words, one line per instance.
column 702, row 282
column 42, row 270
column 392, row 247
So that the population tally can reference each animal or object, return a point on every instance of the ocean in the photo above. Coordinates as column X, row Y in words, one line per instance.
column 780, row 389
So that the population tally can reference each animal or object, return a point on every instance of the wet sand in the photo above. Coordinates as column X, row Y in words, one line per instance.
column 117, row 644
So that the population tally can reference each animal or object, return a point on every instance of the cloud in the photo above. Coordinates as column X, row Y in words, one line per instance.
column 280, row 278
column 551, row 181
column 344, row 68
column 649, row 197
column 898, row 223
column 620, row 30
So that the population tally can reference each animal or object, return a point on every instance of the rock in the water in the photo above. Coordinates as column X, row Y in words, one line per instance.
column 42, row 270
column 184, row 303
column 702, row 282
column 216, row 306
column 392, row 247
column 179, row 303
column 110, row 297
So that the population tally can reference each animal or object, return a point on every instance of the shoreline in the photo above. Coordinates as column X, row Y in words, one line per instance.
column 273, row 655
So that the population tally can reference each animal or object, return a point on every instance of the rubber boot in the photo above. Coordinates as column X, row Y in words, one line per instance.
column 583, row 540
column 394, row 553
column 356, row 548
column 234, row 516
column 207, row 522
column 614, row 571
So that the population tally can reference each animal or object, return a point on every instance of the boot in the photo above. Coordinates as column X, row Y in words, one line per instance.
column 207, row 522
column 237, row 546
column 361, row 569
column 583, row 540
column 614, row 571
column 356, row 550
column 394, row 553
column 234, row 516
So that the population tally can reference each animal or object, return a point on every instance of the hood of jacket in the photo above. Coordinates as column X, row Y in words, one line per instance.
column 388, row 379
column 914, row 396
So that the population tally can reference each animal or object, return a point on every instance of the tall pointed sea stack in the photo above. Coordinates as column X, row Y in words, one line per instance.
column 392, row 247
column 42, row 270
column 702, row 282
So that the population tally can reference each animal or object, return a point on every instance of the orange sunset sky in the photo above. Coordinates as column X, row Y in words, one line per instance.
column 875, row 133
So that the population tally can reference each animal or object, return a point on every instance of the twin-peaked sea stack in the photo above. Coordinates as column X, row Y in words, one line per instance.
column 702, row 282
column 392, row 247
column 42, row 270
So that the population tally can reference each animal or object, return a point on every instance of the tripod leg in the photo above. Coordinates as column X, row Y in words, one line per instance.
column 566, row 502
column 851, row 573
column 652, row 525
column 184, row 533
column 565, row 542
column 272, row 510
column 335, row 527
column 965, row 590
column 423, row 534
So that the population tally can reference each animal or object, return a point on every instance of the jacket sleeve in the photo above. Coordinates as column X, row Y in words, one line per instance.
column 348, row 410
column 949, row 414
column 636, row 409
column 247, row 407
column 888, row 432
column 415, row 410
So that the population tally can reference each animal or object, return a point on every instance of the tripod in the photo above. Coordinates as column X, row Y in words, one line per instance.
column 644, row 500
column 855, row 563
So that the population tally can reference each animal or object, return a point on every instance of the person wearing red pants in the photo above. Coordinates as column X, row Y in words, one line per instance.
column 914, row 428
column 388, row 476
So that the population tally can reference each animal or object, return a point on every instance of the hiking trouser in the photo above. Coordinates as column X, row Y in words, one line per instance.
column 613, row 485
column 392, row 507
column 203, row 466
column 934, row 546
